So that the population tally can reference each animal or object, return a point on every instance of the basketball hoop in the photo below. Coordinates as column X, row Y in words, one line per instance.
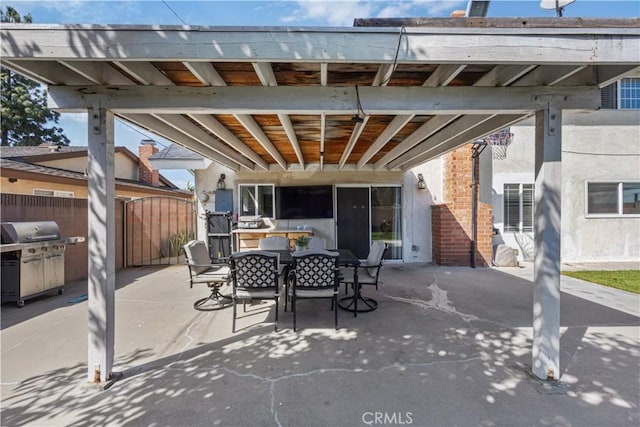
column 499, row 142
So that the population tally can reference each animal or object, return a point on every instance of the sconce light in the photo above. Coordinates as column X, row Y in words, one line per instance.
column 221, row 185
column 204, row 197
column 421, row 183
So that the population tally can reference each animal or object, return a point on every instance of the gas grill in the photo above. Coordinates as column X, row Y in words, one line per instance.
column 32, row 259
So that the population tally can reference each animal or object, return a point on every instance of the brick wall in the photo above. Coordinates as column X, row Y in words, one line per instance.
column 146, row 173
column 451, row 221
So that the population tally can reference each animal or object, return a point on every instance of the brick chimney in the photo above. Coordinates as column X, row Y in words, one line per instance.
column 451, row 221
column 146, row 173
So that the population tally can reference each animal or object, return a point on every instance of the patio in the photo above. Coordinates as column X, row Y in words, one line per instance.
column 447, row 346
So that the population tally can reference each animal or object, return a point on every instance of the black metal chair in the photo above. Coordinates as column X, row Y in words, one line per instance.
column 315, row 274
column 214, row 275
column 369, row 272
column 254, row 276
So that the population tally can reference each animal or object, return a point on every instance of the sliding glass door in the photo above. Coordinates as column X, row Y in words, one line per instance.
column 386, row 218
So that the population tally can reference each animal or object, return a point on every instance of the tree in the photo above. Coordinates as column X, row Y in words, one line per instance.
column 26, row 120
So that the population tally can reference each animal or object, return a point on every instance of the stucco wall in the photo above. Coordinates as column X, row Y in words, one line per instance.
column 416, row 204
column 597, row 146
column 125, row 167
column 26, row 186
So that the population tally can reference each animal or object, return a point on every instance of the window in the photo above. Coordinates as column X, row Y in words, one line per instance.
column 518, row 208
column 623, row 94
column 613, row 198
column 256, row 199
column 386, row 218
column 52, row 193
column 629, row 93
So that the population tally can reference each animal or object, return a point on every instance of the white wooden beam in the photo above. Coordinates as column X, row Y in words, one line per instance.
column 144, row 72
column 347, row 45
column 287, row 125
column 265, row 73
column 98, row 72
column 381, row 79
column 206, row 73
column 546, row 264
column 324, row 73
column 219, row 130
column 323, row 126
column 49, row 72
column 549, row 75
column 268, row 78
column 607, row 74
column 503, row 75
column 183, row 125
column 101, row 244
column 355, row 134
column 22, row 67
column 160, row 128
column 390, row 100
column 396, row 124
column 441, row 76
column 324, row 79
column 444, row 74
column 427, row 129
column 460, row 126
column 383, row 75
column 256, row 131
column 474, row 133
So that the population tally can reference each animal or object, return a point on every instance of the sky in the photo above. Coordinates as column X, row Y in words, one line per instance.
column 331, row 13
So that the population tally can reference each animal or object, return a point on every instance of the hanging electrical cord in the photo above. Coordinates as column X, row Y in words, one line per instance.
column 403, row 31
column 174, row 12
column 357, row 118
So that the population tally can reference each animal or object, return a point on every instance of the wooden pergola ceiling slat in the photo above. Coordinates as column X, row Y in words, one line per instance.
column 396, row 129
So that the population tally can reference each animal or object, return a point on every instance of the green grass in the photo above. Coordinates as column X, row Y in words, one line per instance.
column 627, row 280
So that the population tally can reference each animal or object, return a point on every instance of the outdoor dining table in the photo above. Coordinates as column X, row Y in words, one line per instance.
column 346, row 258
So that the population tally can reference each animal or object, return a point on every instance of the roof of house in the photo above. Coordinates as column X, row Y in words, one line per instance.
column 175, row 152
column 7, row 165
column 44, row 152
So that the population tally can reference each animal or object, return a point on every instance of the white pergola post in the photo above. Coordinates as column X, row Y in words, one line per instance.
column 101, row 244
column 546, row 284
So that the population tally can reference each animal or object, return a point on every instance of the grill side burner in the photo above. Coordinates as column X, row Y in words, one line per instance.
column 32, row 259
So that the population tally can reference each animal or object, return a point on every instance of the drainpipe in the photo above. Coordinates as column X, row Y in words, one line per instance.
column 476, row 150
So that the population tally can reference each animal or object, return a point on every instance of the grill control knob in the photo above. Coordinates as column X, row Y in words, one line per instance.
column 32, row 250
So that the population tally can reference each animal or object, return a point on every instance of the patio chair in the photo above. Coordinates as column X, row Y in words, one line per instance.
column 201, row 270
column 369, row 272
column 316, row 242
column 274, row 243
column 254, row 277
column 315, row 274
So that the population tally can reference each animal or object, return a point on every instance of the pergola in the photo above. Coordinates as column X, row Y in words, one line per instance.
column 384, row 95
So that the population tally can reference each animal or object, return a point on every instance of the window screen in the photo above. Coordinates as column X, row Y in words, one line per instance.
column 518, row 207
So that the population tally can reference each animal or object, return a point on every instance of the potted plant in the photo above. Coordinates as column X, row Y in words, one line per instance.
column 301, row 243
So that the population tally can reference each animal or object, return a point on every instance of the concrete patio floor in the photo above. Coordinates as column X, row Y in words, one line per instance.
column 447, row 346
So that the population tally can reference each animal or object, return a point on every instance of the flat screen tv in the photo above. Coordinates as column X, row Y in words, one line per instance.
column 304, row 202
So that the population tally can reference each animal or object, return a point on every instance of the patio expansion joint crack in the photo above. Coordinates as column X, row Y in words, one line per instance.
column 438, row 302
column 395, row 366
column 184, row 348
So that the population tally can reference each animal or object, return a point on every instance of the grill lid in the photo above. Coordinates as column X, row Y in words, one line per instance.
column 29, row 231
